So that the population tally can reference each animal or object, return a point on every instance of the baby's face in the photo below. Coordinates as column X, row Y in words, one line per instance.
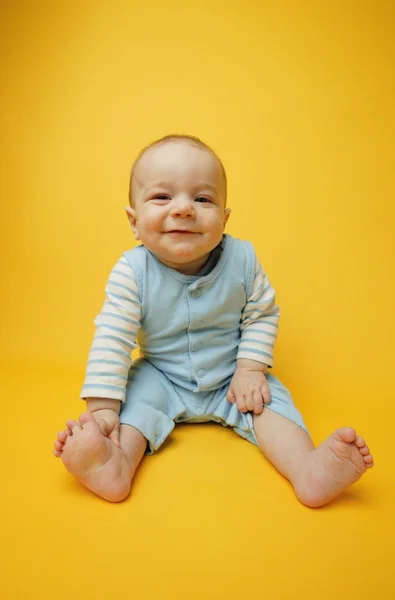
column 179, row 204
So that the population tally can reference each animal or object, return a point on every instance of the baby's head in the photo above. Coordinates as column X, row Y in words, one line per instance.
column 177, row 200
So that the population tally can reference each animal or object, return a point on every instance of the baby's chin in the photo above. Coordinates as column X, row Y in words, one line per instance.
column 184, row 249
column 184, row 259
column 185, row 252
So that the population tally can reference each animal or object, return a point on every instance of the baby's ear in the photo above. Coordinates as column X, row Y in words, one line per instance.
column 226, row 215
column 131, row 216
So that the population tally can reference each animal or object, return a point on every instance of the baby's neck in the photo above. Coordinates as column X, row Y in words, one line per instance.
column 193, row 268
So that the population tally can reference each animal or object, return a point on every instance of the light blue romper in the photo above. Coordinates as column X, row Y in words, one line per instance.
column 189, row 336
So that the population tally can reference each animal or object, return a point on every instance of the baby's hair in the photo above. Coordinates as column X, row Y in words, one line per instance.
column 190, row 139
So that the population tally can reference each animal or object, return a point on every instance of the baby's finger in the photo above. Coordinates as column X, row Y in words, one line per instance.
column 265, row 391
column 249, row 401
column 241, row 403
column 114, row 437
column 258, row 403
column 230, row 396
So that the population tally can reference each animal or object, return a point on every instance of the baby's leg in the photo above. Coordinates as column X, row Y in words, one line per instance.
column 317, row 474
column 96, row 462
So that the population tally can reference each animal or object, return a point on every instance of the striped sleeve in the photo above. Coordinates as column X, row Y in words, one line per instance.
column 115, row 336
column 259, row 322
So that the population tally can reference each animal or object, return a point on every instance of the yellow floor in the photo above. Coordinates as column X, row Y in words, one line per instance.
column 208, row 518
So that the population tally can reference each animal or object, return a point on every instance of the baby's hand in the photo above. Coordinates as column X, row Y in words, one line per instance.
column 108, row 421
column 249, row 389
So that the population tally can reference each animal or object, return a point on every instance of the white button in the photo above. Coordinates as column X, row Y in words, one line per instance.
column 201, row 373
column 197, row 346
column 199, row 323
column 195, row 293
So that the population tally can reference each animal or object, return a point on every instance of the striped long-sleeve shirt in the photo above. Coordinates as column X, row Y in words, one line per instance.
column 118, row 324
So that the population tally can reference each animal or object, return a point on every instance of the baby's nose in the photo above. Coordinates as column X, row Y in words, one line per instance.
column 183, row 208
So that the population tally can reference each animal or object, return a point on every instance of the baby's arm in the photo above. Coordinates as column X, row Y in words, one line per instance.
column 259, row 322
column 109, row 360
column 259, row 325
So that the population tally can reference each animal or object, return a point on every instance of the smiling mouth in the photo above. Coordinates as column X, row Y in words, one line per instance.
column 180, row 231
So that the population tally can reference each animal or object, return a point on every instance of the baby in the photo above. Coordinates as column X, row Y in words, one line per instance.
column 204, row 314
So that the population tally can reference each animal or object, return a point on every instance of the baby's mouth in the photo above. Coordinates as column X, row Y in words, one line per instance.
column 181, row 231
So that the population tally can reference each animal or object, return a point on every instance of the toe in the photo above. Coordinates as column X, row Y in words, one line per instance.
column 57, row 453
column 62, row 436
column 364, row 451
column 71, row 424
column 85, row 418
column 368, row 460
column 346, row 434
column 58, row 445
column 359, row 441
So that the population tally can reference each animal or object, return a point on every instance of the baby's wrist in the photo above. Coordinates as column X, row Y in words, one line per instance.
column 95, row 404
column 251, row 365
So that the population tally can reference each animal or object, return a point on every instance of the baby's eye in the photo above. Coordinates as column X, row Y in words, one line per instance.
column 161, row 197
column 202, row 199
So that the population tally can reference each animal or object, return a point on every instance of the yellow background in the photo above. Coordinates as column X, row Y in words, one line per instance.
column 298, row 100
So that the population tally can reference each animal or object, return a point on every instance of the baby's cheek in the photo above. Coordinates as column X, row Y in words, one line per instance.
column 155, row 223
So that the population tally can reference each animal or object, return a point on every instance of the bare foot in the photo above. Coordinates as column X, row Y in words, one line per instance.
column 93, row 459
column 332, row 467
column 60, row 441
